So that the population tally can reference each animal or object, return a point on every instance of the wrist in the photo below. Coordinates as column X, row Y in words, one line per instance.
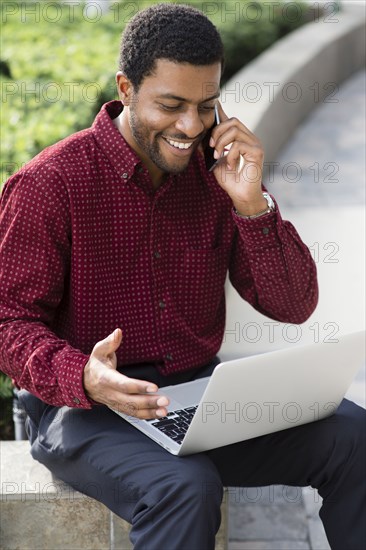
column 255, row 209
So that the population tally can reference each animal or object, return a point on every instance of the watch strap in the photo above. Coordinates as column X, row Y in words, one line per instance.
column 270, row 208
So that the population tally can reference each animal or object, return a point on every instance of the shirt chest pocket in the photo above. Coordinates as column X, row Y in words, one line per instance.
column 201, row 287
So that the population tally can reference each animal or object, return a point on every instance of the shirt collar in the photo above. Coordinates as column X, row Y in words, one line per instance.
column 114, row 146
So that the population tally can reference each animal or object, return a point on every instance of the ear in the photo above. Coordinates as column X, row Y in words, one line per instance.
column 124, row 87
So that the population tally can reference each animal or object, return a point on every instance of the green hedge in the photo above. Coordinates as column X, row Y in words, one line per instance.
column 58, row 72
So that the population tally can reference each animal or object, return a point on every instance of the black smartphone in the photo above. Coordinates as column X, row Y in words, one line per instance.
column 209, row 151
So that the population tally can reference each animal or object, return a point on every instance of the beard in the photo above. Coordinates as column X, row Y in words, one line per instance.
column 152, row 149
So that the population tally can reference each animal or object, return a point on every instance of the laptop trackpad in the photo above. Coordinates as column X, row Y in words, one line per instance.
column 185, row 395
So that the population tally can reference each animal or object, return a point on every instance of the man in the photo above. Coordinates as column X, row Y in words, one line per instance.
column 121, row 226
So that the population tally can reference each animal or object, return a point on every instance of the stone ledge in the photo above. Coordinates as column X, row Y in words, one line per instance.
column 39, row 512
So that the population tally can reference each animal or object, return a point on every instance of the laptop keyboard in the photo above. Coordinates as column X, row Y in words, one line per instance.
column 175, row 423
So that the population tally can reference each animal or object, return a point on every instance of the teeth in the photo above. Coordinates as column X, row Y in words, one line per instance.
column 179, row 144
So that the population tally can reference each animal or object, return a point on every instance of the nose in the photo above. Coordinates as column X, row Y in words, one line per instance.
column 190, row 124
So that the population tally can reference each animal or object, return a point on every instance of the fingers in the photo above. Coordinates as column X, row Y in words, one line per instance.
column 136, row 393
column 140, row 406
column 230, row 132
column 253, row 155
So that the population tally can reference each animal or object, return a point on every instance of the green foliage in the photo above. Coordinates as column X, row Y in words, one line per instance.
column 6, row 400
column 59, row 72
column 6, row 423
column 6, row 386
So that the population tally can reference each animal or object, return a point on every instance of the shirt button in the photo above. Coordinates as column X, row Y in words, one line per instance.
column 169, row 357
column 265, row 230
column 76, row 400
column 157, row 254
column 162, row 304
column 125, row 175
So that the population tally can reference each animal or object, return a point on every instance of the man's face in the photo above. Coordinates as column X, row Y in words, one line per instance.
column 171, row 113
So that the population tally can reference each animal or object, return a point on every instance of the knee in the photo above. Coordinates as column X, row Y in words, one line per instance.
column 195, row 481
column 351, row 424
column 346, row 431
column 203, row 482
column 185, row 499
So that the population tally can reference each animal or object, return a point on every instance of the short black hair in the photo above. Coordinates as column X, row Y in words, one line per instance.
column 175, row 32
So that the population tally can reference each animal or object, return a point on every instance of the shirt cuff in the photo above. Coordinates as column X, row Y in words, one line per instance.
column 71, row 384
column 259, row 232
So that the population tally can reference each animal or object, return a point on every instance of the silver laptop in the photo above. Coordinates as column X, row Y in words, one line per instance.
column 256, row 395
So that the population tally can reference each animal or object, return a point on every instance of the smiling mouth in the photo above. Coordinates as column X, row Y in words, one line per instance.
column 178, row 144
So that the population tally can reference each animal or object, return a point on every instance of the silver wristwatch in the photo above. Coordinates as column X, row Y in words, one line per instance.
column 271, row 207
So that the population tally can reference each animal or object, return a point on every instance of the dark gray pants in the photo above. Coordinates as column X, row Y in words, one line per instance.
column 173, row 503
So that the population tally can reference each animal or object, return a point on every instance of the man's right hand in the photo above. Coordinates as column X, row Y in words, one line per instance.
column 104, row 384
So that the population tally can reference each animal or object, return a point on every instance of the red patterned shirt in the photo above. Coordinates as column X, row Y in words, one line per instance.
column 87, row 245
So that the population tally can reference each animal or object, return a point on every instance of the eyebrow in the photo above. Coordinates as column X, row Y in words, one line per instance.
column 178, row 98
